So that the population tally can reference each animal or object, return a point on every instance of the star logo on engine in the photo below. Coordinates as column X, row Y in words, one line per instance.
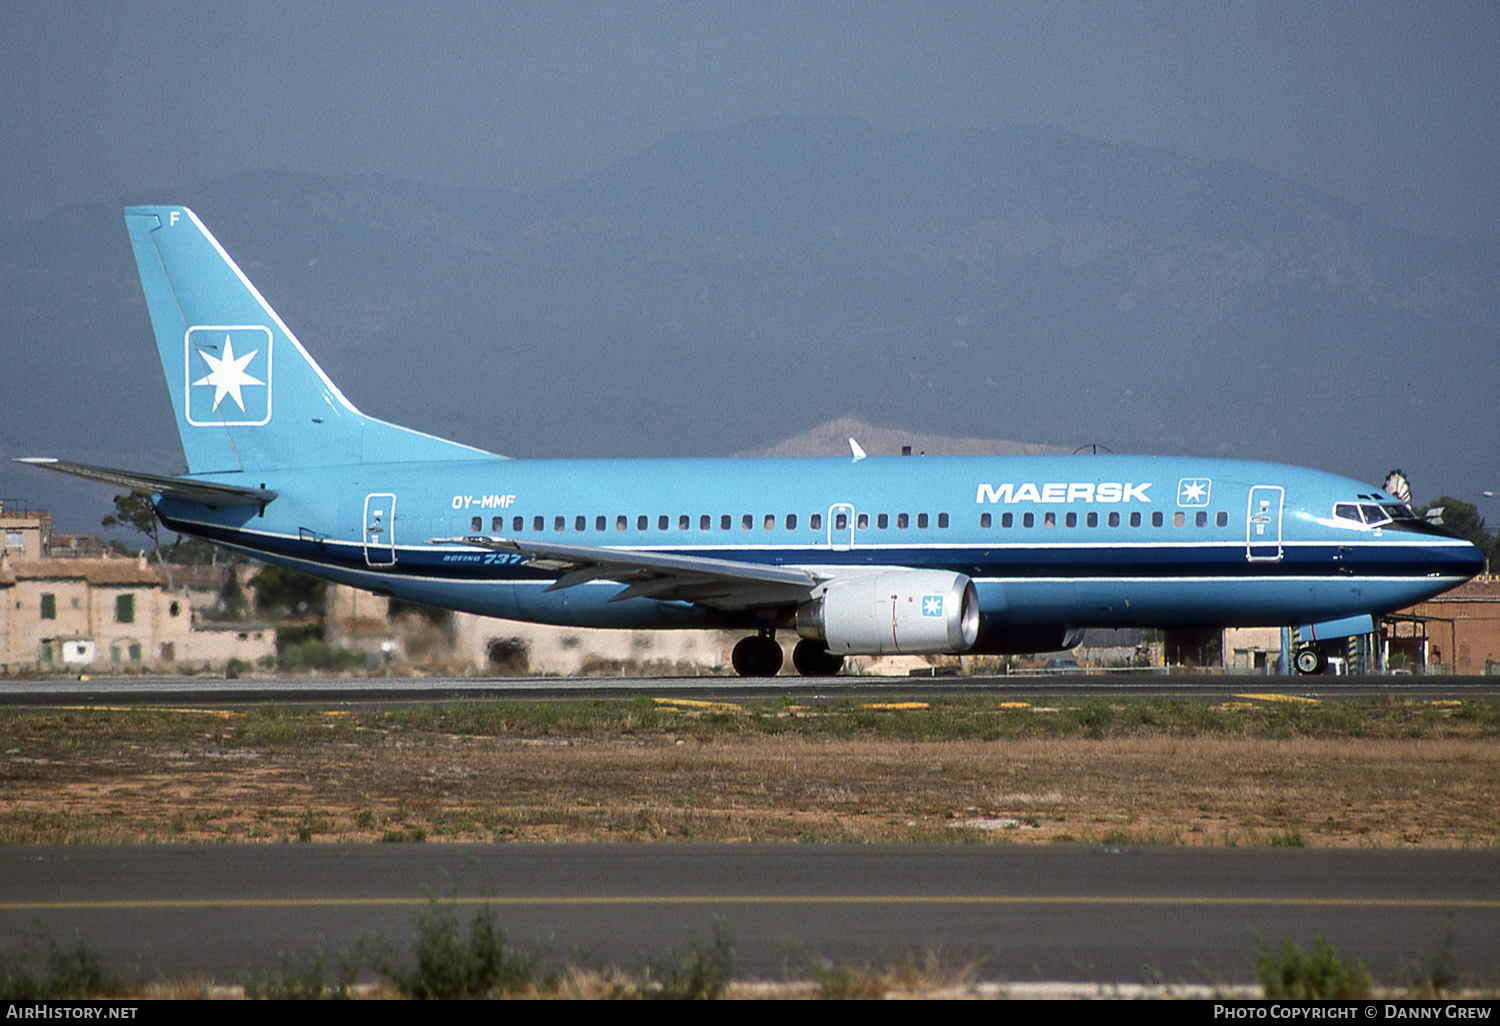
column 932, row 605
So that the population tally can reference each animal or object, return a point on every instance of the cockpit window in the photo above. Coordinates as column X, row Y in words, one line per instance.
column 1369, row 514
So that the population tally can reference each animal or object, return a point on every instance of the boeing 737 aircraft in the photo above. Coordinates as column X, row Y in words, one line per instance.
column 856, row 555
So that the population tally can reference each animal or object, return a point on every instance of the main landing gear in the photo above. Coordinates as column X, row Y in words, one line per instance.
column 760, row 656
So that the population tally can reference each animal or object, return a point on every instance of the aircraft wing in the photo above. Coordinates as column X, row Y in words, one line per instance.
column 721, row 583
column 206, row 493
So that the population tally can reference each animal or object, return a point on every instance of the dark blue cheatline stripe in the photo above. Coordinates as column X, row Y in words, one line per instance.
column 1106, row 561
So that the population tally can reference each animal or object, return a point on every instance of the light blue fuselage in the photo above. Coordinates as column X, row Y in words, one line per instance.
column 1199, row 559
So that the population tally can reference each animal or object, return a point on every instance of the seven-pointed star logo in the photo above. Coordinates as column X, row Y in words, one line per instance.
column 227, row 375
column 1193, row 491
column 932, row 605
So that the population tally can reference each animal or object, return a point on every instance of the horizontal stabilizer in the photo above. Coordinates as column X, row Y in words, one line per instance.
column 205, row 493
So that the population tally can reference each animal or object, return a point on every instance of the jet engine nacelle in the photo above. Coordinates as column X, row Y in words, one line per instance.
column 909, row 612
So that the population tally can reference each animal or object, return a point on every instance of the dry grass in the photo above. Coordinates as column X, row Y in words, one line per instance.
column 78, row 777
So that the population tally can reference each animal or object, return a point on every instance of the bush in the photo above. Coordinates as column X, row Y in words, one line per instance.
column 1317, row 973
column 450, row 966
column 74, row 972
column 316, row 655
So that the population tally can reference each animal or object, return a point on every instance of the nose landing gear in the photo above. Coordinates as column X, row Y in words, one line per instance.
column 1310, row 659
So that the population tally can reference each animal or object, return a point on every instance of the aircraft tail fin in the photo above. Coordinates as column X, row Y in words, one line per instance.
column 246, row 394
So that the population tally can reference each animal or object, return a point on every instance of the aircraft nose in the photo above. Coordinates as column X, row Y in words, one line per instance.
column 1465, row 560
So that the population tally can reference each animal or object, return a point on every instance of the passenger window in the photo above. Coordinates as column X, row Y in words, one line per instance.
column 883, row 521
column 622, row 522
column 1006, row 519
column 641, row 522
column 1200, row 519
column 943, row 521
column 1157, row 519
column 984, row 521
column 815, row 522
column 791, row 521
column 747, row 522
column 1179, row 519
column 1114, row 520
column 770, row 522
column 538, row 523
column 1093, row 520
column 1028, row 519
column 683, row 522
column 661, row 522
column 476, row 525
column 518, row 524
column 903, row 521
column 705, row 522
column 1222, row 520
column 559, row 523
column 863, row 521
column 497, row 524
column 841, row 522
column 1049, row 519
column 1071, row 520
column 921, row 521
column 599, row 523
column 1135, row 520
column 724, row 522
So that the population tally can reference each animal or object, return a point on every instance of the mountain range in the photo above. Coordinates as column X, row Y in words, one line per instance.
column 725, row 290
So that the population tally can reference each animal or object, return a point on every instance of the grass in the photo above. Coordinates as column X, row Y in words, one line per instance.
column 450, row 962
column 701, row 975
column 66, row 972
column 1131, row 771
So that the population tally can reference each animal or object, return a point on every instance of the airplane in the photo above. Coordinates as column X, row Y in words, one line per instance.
column 860, row 555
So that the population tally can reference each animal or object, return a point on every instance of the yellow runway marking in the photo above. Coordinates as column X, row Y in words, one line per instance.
column 1282, row 698
column 697, row 703
column 754, row 899
column 221, row 713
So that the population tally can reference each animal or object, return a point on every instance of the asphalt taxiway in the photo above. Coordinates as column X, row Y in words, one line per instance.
column 1080, row 913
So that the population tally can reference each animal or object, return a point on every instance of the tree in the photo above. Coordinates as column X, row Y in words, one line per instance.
column 136, row 510
column 282, row 592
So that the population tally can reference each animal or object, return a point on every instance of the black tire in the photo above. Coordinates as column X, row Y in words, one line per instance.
column 756, row 656
column 1309, row 660
column 813, row 660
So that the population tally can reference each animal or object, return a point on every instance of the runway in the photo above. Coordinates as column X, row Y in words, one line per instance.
column 380, row 690
column 1085, row 914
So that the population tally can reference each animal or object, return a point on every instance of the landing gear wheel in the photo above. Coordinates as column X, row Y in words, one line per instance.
column 1309, row 660
column 813, row 660
column 757, row 656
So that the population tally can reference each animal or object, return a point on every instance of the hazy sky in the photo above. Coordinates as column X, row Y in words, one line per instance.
column 1392, row 106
